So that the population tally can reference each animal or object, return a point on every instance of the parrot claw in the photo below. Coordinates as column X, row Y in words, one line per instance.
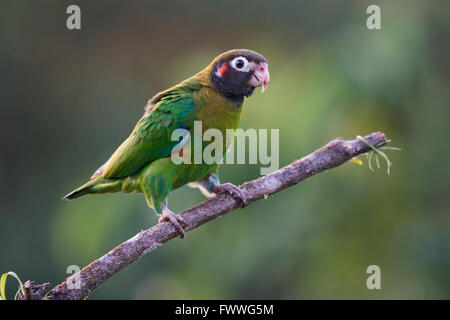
column 176, row 220
column 233, row 190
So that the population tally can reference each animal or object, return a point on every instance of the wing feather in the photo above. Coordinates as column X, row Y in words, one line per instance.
column 151, row 138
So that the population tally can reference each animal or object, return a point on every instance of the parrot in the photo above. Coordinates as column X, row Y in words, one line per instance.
column 143, row 162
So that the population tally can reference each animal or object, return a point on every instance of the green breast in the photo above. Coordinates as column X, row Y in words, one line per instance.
column 215, row 112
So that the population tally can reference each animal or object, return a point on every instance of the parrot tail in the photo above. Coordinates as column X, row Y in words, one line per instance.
column 96, row 185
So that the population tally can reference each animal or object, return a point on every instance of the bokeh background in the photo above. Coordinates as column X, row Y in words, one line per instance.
column 69, row 98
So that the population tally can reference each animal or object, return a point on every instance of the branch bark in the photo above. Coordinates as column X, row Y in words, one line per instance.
column 335, row 153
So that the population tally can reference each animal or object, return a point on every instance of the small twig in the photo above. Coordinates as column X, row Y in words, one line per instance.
column 335, row 153
column 34, row 291
column 377, row 151
column 27, row 290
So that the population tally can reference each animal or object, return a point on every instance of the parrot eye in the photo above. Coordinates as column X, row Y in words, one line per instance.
column 240, row 64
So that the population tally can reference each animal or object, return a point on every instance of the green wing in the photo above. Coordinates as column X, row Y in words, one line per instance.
column 151, row 138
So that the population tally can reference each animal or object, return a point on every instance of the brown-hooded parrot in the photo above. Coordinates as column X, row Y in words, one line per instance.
column 143, row 162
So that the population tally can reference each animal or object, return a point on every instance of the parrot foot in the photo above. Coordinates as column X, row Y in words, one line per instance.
column 176, row 220
column 233, row 190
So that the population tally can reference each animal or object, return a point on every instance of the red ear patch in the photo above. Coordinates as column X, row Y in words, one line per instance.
column 223, row 68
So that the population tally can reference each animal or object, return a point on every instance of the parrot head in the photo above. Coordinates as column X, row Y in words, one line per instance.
column 236, row 73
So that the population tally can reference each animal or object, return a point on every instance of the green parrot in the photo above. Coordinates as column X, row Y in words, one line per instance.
column 143, row 162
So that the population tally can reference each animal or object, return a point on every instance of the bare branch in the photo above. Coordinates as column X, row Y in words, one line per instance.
column 335, row 153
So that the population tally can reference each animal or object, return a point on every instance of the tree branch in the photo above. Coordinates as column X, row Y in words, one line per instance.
column 335, row 153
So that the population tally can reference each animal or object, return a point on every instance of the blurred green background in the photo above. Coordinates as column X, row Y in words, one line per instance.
column 69, row 98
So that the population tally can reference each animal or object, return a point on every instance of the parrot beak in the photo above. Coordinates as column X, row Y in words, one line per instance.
column 260, row 77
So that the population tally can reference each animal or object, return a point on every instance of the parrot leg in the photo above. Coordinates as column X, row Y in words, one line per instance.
column 211, row 185
column 176, row 220
column 206, row 186
column 234, row 190
column 156, row 183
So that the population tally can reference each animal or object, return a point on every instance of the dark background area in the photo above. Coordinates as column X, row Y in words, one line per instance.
column 69, row 98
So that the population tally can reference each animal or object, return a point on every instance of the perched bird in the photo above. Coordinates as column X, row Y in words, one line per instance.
column 143, row 162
